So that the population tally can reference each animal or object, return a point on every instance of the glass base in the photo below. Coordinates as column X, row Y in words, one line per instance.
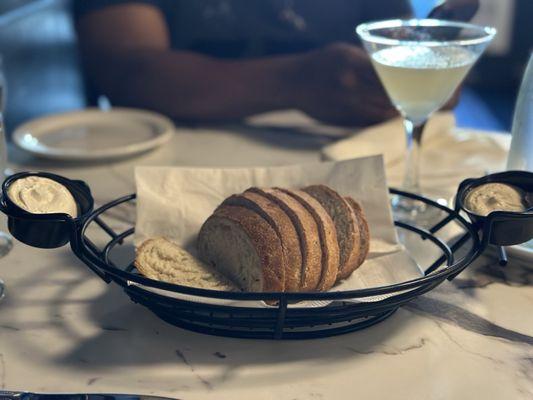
column 414, row 212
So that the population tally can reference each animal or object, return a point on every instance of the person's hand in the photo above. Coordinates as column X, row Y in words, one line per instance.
column 337, row 84
column 462, row 10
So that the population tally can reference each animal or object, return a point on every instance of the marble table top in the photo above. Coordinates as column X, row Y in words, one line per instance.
column 63, row 330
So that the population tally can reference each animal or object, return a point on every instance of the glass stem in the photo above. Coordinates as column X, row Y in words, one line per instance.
column 411, row 181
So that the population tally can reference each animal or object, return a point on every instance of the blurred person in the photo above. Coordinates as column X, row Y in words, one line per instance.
column 222, row 60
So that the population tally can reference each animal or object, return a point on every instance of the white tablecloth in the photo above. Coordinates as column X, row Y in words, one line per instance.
column 63, row 329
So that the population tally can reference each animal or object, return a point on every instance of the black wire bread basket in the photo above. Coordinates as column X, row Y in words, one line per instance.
column 232, row 314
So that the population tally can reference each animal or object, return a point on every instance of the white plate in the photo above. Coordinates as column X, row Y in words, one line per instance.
column 93, row 134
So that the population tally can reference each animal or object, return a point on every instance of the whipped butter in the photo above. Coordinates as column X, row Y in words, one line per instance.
column 39, row 195
column 484, row 199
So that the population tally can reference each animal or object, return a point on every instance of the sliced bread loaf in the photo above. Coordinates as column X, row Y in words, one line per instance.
column 345, row 224
column 240, row 244
column 307, row 230
column 328, row 237
column 364, row 230
column 162, row 260
column 281, row 223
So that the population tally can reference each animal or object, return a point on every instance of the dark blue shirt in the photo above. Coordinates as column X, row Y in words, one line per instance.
column 251, row 28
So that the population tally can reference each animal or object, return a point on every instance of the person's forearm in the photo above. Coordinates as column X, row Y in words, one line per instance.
column 189, row 86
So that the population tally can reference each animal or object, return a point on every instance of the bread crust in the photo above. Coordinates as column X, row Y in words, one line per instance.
column 307, row 230
column 349, row 246
column 281, row 223
column 264, row 239
column 328, row 238
column 363, row 229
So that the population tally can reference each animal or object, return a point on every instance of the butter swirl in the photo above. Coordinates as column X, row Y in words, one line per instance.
column 490, row 197
column 39, row 195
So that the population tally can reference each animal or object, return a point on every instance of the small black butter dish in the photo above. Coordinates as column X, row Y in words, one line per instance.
column 45, row 230
column 502, row 228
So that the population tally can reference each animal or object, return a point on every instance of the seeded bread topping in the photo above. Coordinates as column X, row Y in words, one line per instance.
column 490, row 197
column 39, row 195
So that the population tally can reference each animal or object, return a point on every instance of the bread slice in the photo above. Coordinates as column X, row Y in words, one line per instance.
column 281, row 223
column 328, row 238
column 162, row 260
column 307, row 230
column 364, row 230
column 240, row 244
column 345, row 224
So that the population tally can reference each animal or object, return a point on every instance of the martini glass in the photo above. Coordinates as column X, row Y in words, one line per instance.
column 421, row 62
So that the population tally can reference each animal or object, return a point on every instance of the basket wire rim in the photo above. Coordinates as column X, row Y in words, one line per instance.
column 90, row 255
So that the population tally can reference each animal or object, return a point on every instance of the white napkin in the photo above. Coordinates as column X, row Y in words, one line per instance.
column 449, row 154
column 174, row 202
column 387, row 138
